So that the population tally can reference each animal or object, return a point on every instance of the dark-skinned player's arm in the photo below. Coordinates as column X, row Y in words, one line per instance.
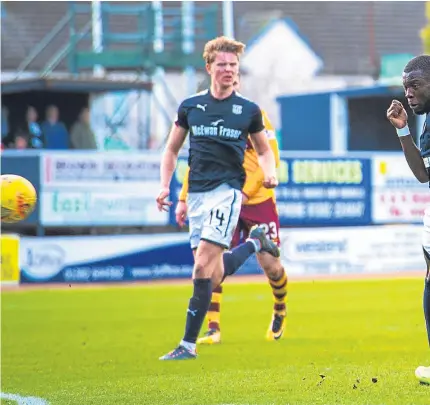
column 168, row 163
column 398, row 117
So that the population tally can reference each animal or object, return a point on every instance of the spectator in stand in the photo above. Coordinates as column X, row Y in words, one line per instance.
column 5, row 128
column 81, row 135
column 35, row 134
column 4, row 122
column 21, row 141
column 54, row 131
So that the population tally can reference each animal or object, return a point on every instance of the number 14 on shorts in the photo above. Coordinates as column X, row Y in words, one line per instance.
column 218, row 219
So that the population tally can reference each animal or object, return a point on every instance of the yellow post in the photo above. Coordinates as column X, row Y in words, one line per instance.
column 10, row 269
column 425, row 32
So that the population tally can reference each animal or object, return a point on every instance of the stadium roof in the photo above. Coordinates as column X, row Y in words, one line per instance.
column 76, row 85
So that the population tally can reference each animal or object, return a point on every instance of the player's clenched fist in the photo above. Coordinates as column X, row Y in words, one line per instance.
column 397, row 115
column 270, row 182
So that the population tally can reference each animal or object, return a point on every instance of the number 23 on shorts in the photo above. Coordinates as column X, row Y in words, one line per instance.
column 271, row 230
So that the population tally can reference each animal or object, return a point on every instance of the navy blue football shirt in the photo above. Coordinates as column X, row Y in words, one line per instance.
column 218, row 131
column 425, row 138
column 425, row 144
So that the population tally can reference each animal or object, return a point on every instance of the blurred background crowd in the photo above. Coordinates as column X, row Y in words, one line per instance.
column 46, row 130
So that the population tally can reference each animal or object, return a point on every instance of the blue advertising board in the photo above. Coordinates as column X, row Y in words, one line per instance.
column 315, row 191
column 83, row 259
column 324, row 191
column 114, row 258
column 85, row 189
column 304, row 252
column 100, row 189
column 25, row 164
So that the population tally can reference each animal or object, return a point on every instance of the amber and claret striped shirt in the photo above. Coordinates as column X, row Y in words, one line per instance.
column 253, row 187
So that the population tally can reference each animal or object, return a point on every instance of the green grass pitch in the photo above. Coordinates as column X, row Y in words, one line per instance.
column 101, row 346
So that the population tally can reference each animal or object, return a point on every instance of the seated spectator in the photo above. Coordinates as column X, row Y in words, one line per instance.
column 4, row 122
column 21, row 141
column 54, row 131
column 81, row 135
column 33, row 129
column 6, row 133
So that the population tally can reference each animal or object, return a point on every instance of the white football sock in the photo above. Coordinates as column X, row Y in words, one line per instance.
column 189, row 346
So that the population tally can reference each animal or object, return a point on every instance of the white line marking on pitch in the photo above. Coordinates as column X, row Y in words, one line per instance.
column 23, row 400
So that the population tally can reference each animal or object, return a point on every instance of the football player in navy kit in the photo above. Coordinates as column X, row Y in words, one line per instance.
column 416, row 82
column 219, row 121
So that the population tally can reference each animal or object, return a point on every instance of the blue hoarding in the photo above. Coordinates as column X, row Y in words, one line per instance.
column 324, row 191
column 315, row 191
column 114, row 258
column 25, row 164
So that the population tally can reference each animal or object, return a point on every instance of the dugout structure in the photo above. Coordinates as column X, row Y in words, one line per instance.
column 349, row 120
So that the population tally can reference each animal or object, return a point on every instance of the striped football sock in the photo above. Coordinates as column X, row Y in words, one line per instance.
column 214, row 309
column 279, row 290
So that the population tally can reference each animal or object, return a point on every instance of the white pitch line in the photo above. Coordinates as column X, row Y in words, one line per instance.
column 20, row 400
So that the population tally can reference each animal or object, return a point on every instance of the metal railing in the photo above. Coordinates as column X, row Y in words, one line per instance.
column 65, row 50
column 61, row 24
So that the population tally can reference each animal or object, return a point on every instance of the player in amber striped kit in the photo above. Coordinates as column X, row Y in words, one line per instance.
column 258, row 208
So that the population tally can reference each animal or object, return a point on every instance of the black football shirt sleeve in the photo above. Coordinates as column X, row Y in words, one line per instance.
column 256, row 124
column 181, row 117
